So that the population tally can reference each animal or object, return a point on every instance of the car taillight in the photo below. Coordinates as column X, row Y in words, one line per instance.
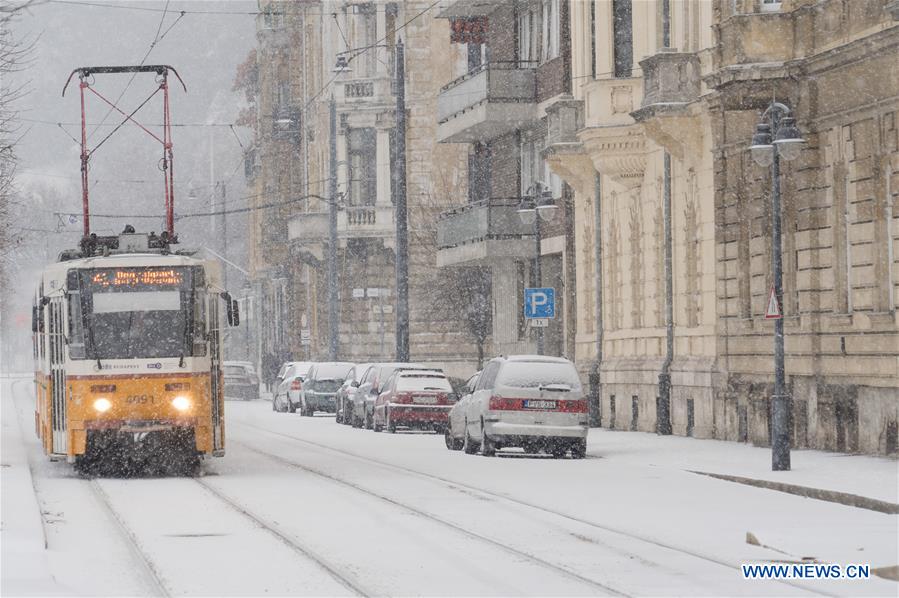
column 296, row 384
column 402, row 399
column 504, row 404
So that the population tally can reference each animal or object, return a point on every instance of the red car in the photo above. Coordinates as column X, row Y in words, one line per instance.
column 414, row 399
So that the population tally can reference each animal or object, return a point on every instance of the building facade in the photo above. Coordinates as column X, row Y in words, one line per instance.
column 343, row 55
column 515, row 69
column 669, row 93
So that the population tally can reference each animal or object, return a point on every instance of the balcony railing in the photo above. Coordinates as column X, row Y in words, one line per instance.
column 670, row 77
column 365, row 89
column 491, row 219
column 503, row 82
column 492, row 100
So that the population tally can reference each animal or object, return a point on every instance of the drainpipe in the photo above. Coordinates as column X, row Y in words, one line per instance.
column 663, row 410
column 595, row 388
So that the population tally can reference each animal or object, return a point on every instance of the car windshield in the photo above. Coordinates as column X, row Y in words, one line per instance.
column 332, row 371
column 139, row 312
column 533, row 374
column 407, row 382
column 298, row 369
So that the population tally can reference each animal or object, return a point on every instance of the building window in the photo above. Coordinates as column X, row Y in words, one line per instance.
column 365, row 35
column 527, row 38
column 622, row 25
column 390, row 14
column 529, row 166
column 550, row 30
column 475, row 56
column 770, row 5
column 362, row 162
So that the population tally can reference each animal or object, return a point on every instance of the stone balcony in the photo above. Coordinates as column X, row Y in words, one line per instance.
column 365, row 90
column 310, row 229
column 671, row 83
column 563, row 151
column 277, row 37
column 483, row 232
column 467, row 8
column 495, row 99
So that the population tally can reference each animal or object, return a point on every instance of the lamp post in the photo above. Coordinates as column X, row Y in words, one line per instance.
column 537, row 204
column 777, row 137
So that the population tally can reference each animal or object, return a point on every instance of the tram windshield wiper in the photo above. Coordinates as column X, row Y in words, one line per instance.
column 188, row 325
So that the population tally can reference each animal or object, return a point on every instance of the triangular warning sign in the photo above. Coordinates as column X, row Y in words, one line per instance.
column 773, row 311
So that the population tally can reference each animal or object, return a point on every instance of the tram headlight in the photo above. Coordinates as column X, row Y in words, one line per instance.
column 102, row 405
column 181, row 403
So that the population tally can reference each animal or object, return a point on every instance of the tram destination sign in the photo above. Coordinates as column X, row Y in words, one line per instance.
column 134, row 278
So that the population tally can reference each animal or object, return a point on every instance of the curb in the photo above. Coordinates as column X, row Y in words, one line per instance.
column 843, row 498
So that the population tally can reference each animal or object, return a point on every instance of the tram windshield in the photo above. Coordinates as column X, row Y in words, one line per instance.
column 135, row 313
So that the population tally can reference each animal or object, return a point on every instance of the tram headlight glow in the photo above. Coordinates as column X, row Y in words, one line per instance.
column 102, row 405
column 181, row 403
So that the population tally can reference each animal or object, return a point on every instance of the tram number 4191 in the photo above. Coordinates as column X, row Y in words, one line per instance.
column 139, row 399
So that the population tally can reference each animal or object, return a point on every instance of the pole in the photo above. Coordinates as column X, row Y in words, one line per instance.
column 596, row 374
column 663, row 409
column 333, row 324
column 402, row 241
column 780, row 402
column 538, row 278
column 224, row 244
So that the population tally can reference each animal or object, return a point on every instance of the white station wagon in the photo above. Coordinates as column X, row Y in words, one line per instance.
column 529, row 401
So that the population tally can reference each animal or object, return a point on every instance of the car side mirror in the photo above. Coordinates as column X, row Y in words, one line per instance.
column 354, row 384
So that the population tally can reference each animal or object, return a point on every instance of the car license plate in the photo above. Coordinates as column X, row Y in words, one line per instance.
column 425, row 399
column 539, row 404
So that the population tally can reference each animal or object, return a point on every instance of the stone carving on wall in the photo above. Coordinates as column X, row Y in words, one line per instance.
column 693, row 303
column 636, row 266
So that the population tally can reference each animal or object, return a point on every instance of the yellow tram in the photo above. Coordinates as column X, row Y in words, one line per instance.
column 127, row 349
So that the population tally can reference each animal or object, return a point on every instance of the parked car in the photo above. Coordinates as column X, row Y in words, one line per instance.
column 241, row 381
column 344, row 396
column 318, row 389
column 529, row 401
column 418, row 399
column 283, row 371
column 455, row 429
column 292, row 380
column 370, row 388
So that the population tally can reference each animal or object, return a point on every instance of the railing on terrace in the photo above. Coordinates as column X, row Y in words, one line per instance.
column 498, row 81
column 495, row 218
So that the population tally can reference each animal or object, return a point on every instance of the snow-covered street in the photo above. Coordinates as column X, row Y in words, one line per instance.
column 303, row 506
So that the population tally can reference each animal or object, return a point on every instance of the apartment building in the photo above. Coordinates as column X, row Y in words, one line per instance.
column 513, row 71
column 343, row 55
column 665, row 100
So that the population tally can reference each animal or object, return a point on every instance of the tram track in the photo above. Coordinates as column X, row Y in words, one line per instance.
column 345, row 580
column 564, row 571
column 139, row 554
column 474, row 490
column 152, row 570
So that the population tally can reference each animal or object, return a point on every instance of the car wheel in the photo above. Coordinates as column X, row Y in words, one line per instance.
column 375, row 425
column 274, row 404
column 468, row 444
column 338, row 416
column 368, row 422
column 290, row 406
column 579, row 449
column 452, row 444
column 357, row 423
column 488, row 448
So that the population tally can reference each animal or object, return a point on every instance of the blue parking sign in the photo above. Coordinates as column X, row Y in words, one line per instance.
column 540, row 303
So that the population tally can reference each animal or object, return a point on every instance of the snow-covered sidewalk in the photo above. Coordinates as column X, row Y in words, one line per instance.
column 22, row 537
column 871, row 477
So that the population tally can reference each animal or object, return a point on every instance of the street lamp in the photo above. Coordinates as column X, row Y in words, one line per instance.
column 775, row 138
column 537, row 205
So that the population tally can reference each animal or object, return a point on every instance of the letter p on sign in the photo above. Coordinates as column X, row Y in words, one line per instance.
column 540, row 303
